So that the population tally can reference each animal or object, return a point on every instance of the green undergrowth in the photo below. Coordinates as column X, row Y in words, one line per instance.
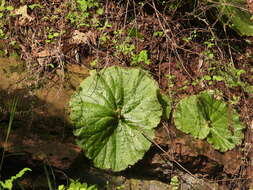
column 125, row 46
column 76, row 185
column 84, row 12
column 5, row 11
column 8, row 183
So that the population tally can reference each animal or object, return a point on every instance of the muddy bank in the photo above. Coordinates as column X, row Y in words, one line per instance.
column 41, row 134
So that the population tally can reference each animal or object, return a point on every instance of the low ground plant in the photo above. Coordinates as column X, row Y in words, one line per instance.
column 76, row 185
column 8, row 183
column 80, row 12
column 115, row 111
column 4, row 11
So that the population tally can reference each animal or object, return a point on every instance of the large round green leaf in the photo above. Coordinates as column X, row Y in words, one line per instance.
column 113, row 111
column 203, row 116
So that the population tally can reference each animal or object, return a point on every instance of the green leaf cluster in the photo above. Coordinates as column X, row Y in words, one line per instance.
column 127, row 48
column 175, row 183
column 81, row 12
column 141, row 57
column 5, row 8
column 4, row 12
column 76, row 185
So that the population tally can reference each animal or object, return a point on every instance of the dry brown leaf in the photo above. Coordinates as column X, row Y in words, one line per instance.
column 47, row 52
column 25, row 18
column 250, row 5
column 83, row 38
column 74, row 68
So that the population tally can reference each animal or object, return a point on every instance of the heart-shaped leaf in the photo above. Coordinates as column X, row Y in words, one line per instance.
column 113, row 111
column 203, row 116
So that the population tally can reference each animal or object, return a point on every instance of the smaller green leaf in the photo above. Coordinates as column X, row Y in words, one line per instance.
column 240, row 72
column 175, row 183
column 189, row 119
column 61, row 187
column 158, row 33
column 207, row 77
column 50, row 36
column 2, row 34
column 2, row 8
column 9, row 8
column 218, row 78
column 100, row 11
column 36, row 5
column 56, row 34
column 94, row 63
column 205, row 117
